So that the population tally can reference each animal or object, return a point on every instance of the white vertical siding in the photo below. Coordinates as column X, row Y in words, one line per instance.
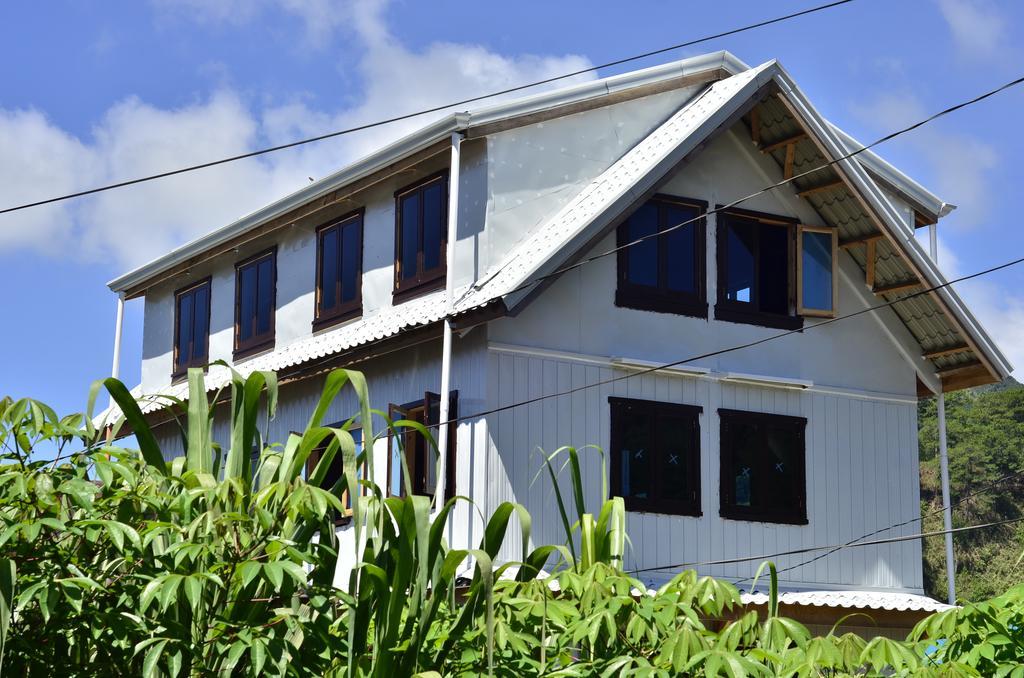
column 861, row 460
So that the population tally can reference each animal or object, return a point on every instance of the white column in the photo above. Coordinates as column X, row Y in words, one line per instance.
column 115, row 368
column 947, row 508
column 446, row 346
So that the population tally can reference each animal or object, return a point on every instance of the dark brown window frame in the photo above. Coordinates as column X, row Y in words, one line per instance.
column 179, row 369
column 738, row 312
column 655, row 504
column 661, row 299
column 314, row 458
column 450, row 453
column 796, row 515
column 342, row 311
column 425, row 281
column 257, row 343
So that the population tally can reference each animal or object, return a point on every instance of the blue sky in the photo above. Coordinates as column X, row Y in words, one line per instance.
column 98, row 92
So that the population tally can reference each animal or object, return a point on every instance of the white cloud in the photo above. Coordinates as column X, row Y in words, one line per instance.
column 977, row 27
column 132, row 225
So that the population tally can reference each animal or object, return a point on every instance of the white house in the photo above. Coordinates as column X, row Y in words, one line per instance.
column 806, row 440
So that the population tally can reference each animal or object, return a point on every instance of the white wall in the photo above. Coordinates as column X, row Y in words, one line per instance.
column 398, row 378
column 509, row 182
column 861, row 471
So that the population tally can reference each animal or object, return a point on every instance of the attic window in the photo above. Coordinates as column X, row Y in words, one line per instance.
column 191, row 327
column 664, row 272
column 421, row 222
column 255, row 300
column 817, row 293
column 755, row 269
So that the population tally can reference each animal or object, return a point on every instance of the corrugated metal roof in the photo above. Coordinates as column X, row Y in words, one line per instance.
column 851, row 600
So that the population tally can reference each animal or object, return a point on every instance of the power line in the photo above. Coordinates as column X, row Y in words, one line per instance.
column 809, row 549
column 853, row 542
column 730, row 349
column 426, row 111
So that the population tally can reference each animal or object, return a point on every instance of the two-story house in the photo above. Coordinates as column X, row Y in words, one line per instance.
column 492, row 221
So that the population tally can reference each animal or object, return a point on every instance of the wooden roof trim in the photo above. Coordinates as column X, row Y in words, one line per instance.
column 881, row 225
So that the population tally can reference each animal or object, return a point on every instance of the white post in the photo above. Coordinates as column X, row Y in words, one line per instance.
column 446, row 346
column 947, row 507
column 115, row 368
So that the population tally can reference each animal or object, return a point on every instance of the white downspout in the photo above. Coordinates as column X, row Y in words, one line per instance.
column 449, row 301
column 947, row 508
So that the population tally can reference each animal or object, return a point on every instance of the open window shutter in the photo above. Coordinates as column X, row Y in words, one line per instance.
column 816, row 271
column 397, row 446
column 431, row 416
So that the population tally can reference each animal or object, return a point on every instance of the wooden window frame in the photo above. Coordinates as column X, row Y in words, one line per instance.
column 341, row 311
column 660, row 299
column 180, row 369
column 424, row 281
column 739, row 312
column 451, row 452
column 256, row 343
column 796, row 515
column 800, row 308
column 362, row 469
column 619, row 410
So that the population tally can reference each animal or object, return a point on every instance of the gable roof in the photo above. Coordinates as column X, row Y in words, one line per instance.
column 475, row 122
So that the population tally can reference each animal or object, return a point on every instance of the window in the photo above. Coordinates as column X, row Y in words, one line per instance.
column 763, row 467
column 336, row 470
column 817, row 292
column 663, row 273
column 420, row 457
column 255, row 298
column 191, row 327
column 421, row 216
column 755, row 270
column 339, row 270
column 655, row 456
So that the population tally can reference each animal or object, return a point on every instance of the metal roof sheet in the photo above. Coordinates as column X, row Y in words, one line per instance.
column 852, row 600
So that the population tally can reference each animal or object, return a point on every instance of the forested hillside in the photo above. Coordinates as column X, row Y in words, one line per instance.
column 985, row 428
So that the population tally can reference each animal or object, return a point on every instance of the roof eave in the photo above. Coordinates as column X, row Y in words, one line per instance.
column 934, row 277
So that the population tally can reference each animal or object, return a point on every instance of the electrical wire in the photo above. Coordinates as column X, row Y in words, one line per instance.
column 426, row 111
column 985, row 488
column 809, row 549
column 738, row 347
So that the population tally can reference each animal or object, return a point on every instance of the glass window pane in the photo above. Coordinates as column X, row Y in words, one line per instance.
column 740, row 239
column 185, row 318
column 635, row 455
column 246, row 302
column 746, row 448
column 773, row 294
column 780, row 486
column 328, row 269
column 642, row 258
column 200, row 322
column 433, row 225
column 409, row 243
column 675, row 453
column 816, row 267
column 265, row 296
column 351, row 252
column 681, row 254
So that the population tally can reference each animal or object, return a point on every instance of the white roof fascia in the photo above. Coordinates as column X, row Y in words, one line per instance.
column 903, row 233
column 421, row 139
column 913, row 191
